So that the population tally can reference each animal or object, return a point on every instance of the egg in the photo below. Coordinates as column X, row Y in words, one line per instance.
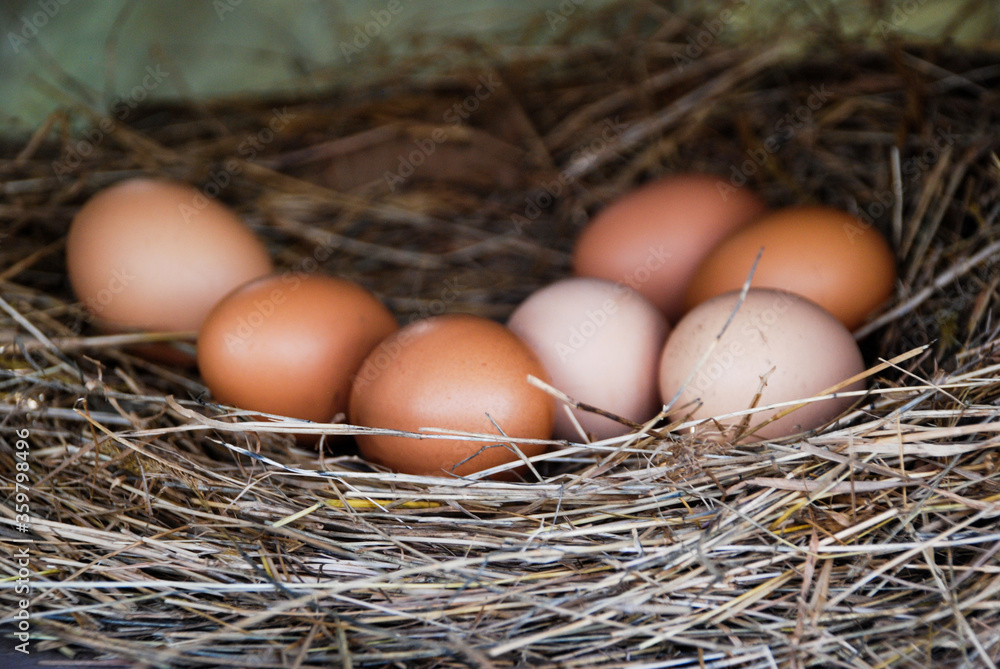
column 289, row 344
column 457, row 372
column 785, row 341
column 148, row 254
column 653, row 238
column 838, row 261
column 600, row 342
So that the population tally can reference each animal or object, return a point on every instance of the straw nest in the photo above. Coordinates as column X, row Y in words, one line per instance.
column 168, row 531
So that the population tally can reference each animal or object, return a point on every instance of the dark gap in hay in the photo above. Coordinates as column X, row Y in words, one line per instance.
column 668, row 549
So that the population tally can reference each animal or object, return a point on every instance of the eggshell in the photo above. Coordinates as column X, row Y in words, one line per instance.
column 289, row 344
column 654, row 237
column 455, row 372
column 600, row 342
column 156, row 255
column 794, row 343
column 841, row 263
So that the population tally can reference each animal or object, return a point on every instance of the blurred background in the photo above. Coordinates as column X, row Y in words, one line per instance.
column 59, row 53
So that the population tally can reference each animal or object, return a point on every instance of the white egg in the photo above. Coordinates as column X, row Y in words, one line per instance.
column 600, row 342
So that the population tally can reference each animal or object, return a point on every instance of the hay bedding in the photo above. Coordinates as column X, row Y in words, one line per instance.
column 170, row 532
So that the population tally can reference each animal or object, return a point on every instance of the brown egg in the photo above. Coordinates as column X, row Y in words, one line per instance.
column 156, row 255
column 454, row 372
column 827, row 255
column 289, row 344
column 654, row 237
column 791, row 342
column 600, row 342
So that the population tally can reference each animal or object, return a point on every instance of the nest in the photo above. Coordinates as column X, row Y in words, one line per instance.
column 166, row 530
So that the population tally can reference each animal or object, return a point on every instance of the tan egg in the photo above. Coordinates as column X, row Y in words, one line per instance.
column 289, row 344
column 841, row 263
column 457, row 372
column 653, row 238
column 793, row 344
column 157, row 255
column 600, row 342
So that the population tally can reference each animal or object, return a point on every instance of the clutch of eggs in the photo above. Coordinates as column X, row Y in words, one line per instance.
column 150, row 254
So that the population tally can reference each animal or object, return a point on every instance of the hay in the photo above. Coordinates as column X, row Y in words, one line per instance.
column 169, row 531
